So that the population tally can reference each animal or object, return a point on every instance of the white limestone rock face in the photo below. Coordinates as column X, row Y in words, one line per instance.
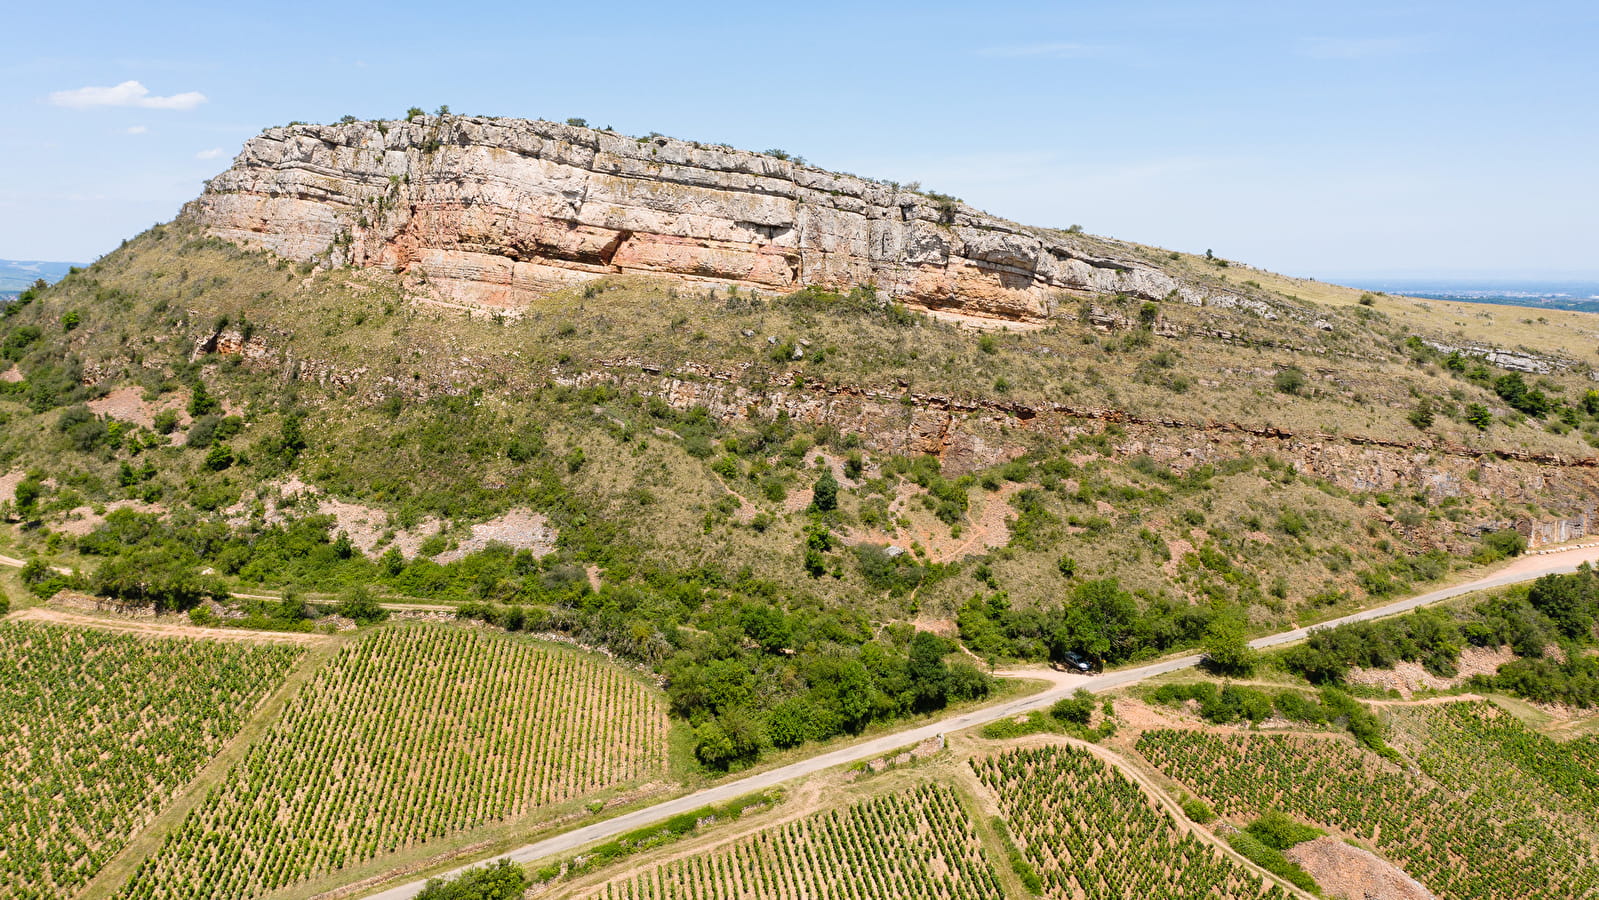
column 492, row 212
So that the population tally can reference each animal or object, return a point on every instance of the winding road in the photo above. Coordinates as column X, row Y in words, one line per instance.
column 1525, row 568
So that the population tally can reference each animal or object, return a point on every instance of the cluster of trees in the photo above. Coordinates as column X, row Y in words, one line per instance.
column 743, row 701
column 1427, row 636
column 1098, row 619
column 1560, row 610
column 1510, row 387
column 1556, row 610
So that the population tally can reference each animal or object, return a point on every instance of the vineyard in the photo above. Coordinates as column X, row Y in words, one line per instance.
column 408, row 735
column 98, row 731
column 1092, row 833
column 1456, row 742
column 1474, row 846
column 915, row 844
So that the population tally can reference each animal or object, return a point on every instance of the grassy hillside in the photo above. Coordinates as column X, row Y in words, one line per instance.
column 766, row 498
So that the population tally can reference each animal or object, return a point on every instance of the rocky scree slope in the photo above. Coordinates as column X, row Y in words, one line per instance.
column 491, row 212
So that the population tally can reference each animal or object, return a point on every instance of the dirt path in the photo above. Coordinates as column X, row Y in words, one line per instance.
column 15, row 563
column 1428, row 701
column 325, row 599
column 155, row 629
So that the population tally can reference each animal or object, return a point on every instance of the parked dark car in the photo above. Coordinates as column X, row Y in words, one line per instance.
column 1078, row 661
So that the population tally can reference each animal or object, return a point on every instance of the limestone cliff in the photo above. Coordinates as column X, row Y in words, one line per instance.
column 491, row 212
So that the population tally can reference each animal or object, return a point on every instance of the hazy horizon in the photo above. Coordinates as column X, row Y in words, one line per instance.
column 1433, row 140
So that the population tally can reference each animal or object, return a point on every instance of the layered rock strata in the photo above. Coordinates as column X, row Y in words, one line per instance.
column 494, row 212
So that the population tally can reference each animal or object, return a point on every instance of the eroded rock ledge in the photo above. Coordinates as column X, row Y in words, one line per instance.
column 494, row 212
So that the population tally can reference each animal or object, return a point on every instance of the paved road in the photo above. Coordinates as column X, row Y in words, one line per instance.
column 1523, row 569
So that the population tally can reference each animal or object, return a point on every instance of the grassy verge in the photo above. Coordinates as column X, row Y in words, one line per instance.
column 655, row 836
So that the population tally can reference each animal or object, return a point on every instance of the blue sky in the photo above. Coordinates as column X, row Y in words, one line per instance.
column 1328, row 139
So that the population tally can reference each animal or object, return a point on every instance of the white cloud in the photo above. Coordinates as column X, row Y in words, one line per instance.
column 213, row 153
column 1357, row 48
column 1056, row 50
column 128, row 93
column 137, row 129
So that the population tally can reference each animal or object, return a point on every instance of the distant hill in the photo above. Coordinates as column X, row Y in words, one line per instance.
column 17, row 274
column 1580, row 296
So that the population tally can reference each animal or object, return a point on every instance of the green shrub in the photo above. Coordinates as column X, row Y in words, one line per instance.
column 1196, row 809
column 1498, row 545
column 1277, row 831
column 1227, row 652
column 825, row 495
column 1296, row 706
column 1272, row 860
column 501, row 880
column 1290, row 380
column 1015, row 727
column 1422, row 415
column 1293, row 523
column 358, row 604
column 1077, row 709
column 1018, row 862
column 1479, row 416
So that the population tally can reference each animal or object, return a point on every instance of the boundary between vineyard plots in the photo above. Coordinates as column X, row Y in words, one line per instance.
column 984, row 812
column 113, row 728
column 836, row 789
column 826, row 791
column 1562, row 727
column 149, row 839
column 1163, row 800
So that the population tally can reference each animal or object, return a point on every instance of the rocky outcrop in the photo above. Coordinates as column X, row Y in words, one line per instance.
column 970, row 434
column 493, row 212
